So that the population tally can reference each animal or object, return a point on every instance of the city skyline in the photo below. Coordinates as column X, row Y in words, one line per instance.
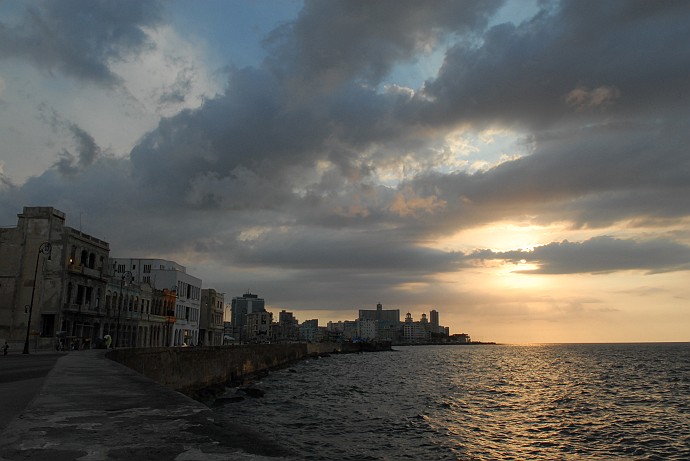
column 520, row 166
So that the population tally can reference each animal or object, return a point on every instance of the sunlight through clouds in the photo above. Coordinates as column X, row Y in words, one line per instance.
column 492, row 159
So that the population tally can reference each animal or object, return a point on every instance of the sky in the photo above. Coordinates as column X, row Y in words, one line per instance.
column 522, row 167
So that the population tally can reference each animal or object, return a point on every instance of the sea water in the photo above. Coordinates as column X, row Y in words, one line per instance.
column 486, row 402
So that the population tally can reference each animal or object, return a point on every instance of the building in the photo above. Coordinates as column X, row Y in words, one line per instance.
column 286, row 330
column 53, row 280
column 241, row 306
column 211, row 321
column 366, row 330
column 342, row 330
column 309, row 330
column 257, row 328
column 415, row 332
column 433, row 320
column 387, row 322
column 162, row 274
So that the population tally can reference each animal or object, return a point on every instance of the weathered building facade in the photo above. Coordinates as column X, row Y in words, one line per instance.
column 53, row 280
column 211, row 322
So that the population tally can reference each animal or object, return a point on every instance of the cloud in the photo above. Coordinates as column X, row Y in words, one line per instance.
column 334, row 42
column 522, row 74
column 307, row 175
column 80, row 38
column 87, row 152
column 598, row 255
column 582, row 97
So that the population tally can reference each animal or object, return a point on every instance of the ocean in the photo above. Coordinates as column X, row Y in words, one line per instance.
column 485, row 402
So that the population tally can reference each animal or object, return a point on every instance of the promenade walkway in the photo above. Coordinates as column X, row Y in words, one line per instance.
column 91, row 408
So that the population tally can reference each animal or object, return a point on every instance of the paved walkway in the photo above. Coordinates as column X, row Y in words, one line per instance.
column 91, row 408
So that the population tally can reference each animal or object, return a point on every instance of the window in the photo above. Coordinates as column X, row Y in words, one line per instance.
column 47, row 325
column 147, row 268
column 89, row 295
column 80, row 294
column 120, row 268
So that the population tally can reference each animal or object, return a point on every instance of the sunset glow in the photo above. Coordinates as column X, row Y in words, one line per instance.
column 518, row 166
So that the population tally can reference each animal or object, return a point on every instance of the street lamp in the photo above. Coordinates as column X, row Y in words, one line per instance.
column 43, row 249
column 127, row 275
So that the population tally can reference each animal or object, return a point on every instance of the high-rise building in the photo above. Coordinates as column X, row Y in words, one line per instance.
column 433, row 319
column 286, row 330
column 241, row 306
column 387, row 322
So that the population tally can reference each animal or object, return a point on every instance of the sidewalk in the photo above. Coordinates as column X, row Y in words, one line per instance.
column 91, row 408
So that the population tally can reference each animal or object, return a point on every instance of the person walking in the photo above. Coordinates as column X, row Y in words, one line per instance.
column 5, row 348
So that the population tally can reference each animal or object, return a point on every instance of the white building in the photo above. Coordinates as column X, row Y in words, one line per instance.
column 366, row 329
column 415, row 332
column 163, row 274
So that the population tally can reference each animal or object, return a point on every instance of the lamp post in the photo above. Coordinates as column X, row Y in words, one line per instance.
column 43, row 249
column 127, row 275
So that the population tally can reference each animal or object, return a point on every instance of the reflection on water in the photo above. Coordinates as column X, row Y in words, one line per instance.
column 602, row 402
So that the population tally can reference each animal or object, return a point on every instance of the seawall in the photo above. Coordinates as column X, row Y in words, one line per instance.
column 190, row 369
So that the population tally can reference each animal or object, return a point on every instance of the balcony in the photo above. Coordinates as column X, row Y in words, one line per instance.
column 87, row 271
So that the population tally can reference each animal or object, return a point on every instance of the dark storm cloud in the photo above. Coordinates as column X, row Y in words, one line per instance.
column 365, row 251
column 255, row 129
column 332, row 42
column 79, row 38
column 250, row 141
column 577, row 59
column 592, row 176
column 599, row 255
column 273, row 175
column 87, row 151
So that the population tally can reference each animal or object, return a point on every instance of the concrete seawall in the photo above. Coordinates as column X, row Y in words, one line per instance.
column 92, row 408
column 189, row 369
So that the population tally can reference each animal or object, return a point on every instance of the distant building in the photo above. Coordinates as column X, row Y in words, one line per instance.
column 286, row 330
column 366, row 329
column 415, row 332
column 462, row 338
column 308, row 330
column 342, row 330
column 162, row 274
column 257, row 328
column 433, row 320
column 211, row 322
column 380, row 314
column 387, row 322
column 241, row 306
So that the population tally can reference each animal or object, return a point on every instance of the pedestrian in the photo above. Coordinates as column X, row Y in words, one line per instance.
column 5, row 348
